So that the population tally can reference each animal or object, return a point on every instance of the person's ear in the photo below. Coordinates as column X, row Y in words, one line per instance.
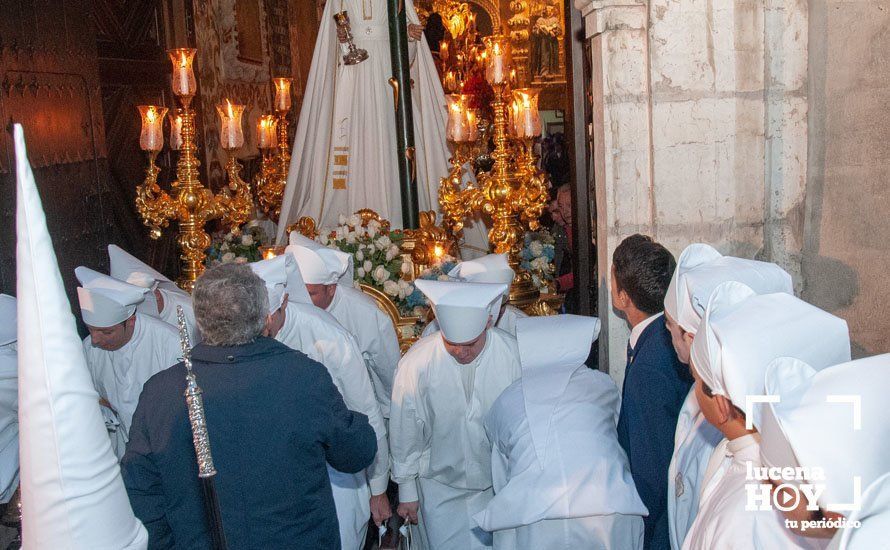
column 724, row 408
column 688, row 337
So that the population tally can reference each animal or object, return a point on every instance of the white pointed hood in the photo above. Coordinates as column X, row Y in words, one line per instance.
column 72, row 492
column 550, row 350
column 491, row 268
column 106, row 301
column 835, row 419
column 742, row 333
column 874, row 517
column 273, row 272
column 462, row 309
column 126, row 267
column 7, row 319
column 701, row 268
column 320, row 265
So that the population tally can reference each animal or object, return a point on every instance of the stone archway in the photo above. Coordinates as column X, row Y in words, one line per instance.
column 492, row 9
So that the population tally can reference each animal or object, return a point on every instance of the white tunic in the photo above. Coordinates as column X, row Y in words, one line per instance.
column 169, row 314
column 119, row 375
column 441, row 454
column 9, row 422
column 582, row 494
column 694, row 443
column 317, row 334
column 506, row 322
column 376, row 337
column 722, row 521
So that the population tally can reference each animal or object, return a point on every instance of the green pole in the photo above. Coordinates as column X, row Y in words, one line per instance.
column 401, row 82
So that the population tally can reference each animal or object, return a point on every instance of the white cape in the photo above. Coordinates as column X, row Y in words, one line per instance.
column 347, row 124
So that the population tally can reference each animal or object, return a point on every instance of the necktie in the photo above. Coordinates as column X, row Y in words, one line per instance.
column 630, row 354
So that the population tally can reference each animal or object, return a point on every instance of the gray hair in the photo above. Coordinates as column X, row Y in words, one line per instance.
column 231, row 305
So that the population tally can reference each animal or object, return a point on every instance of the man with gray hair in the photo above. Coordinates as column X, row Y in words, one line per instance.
column 274, row 418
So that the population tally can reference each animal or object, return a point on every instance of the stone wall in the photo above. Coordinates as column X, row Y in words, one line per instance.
column 700, row 130
column 846, row 255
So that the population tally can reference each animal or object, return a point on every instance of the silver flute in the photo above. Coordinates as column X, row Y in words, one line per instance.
column 195, row 402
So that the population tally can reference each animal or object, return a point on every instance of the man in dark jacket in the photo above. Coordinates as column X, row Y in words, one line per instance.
column 274, row 419
column 655, row 382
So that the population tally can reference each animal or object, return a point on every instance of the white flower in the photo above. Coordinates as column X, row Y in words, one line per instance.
column 368, row 266
column 224, row 247
column 406, row 268
column 360, row 272
column 536, row 248
column 355, row 220
column 247, row 240
column 383, row 241
column 381, row 274
column 373, row 227
column 392, row 252
column 236, row 231
column 351, row 237
column 359, row 255
column 391, row 288
column 372, row 248
column 341, row 219
column 227, row 257
column 341, row 233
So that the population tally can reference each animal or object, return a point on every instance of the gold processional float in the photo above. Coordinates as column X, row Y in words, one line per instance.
column 512, row 194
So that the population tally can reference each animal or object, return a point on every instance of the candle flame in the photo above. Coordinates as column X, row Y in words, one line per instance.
column 438, row 251
column 183, row 60
column 151, row 115
column 229, row 107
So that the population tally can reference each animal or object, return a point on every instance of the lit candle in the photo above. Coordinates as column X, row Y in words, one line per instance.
column 266, row 132
column 231, row 136
column 151, row 138
column 472, row 125
column 443, row 50
column 456, row 127
column 184, row 84
column 498, row 69
column 176, row 132
column 450, row 82
column 528, row 120
column 512, row 117
column 282, row 93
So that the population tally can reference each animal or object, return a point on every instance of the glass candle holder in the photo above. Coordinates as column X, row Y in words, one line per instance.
column 282, row 93
column 176, row 132
column 265, row 131
column 151, row 138
column 231, row 135
column 497, row 67
column 456, row 126
column 184, row 84
column 528, row 120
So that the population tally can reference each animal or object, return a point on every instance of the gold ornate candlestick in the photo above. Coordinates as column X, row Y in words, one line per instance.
column 191, row 204
column 272, row 179
column 513, row 193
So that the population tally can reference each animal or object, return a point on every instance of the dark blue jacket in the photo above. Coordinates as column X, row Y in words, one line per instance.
column 655, row 385
column 274, row 418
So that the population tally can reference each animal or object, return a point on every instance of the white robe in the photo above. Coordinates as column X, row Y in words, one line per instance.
column 9, row 422
column 441, row 454
column 694, row 443
column 119, row 375
column 345, row 155
column 317, row 334
column 506, row 322
column 722, row 521
column 581, row 494
column 376, row 337
column 168, row 314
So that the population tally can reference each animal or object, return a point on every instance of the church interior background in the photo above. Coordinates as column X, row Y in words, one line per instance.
column 756, row 126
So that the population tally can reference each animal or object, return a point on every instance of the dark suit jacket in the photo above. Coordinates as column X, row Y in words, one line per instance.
column 274, row 418
column 655, row 385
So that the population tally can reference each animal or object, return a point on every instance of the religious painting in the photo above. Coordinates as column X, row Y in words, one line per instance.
column 547, row 39
column 248, row 22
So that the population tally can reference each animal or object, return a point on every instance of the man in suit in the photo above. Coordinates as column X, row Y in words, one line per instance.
column 274, row 418
column 655, row 382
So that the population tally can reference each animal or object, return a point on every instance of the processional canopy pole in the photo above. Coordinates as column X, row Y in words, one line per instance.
column 198, row 420
column 401, row 83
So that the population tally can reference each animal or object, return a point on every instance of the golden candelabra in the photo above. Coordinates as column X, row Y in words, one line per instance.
column 272, row 139
column 190, row 204
column 514, row 192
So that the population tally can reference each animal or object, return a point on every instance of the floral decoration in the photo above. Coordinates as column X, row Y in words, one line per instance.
column 236, row 245
column 537, row 258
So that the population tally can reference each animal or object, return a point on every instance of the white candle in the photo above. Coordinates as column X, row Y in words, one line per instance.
column 282, row 94
column 456, row 128
column 176, row 133
column 184, row 83
column 528, row 119
column 266, row 132
column 472, row 126
column 498, row 68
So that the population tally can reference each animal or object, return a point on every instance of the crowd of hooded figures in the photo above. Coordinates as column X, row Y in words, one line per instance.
column 736, row 394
